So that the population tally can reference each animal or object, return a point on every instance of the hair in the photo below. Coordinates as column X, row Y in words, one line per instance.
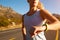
column 28, row 1
column 40, row 5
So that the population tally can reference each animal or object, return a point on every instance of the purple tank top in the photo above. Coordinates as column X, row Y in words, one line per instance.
column 33, row 20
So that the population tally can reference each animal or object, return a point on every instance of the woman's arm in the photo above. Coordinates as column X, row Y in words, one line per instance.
column 54, row 26
column 23, row 32
column 53, row 20
column 23, row 28
column 47, row 15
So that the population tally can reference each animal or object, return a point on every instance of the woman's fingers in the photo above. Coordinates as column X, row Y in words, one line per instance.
column 32, row 31
column 42, row 28
column 35, row 30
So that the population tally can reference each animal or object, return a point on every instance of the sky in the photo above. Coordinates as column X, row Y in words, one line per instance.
column 22, row 6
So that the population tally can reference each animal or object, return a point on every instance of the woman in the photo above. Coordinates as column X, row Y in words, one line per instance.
column 33, row 21
column 56, row 24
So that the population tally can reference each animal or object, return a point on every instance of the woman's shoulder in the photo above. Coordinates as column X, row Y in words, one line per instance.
column 44, row 12
column 25, row 14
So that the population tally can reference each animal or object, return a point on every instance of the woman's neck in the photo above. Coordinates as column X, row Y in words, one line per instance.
column 32, row 11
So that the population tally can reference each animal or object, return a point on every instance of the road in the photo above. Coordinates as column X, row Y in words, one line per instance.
column 13, row 34
column 16, row 34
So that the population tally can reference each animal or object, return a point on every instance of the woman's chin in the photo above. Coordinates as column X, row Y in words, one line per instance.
column 35, row 5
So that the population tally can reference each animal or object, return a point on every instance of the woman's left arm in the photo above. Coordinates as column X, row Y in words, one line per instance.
column 55, row 24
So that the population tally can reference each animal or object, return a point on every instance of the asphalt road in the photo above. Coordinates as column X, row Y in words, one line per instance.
column 14, row 34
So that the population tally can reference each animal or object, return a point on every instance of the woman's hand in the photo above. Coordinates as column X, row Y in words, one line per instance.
column 39, row 29
column 36, row 29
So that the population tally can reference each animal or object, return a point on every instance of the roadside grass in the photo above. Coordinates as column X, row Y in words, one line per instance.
column 10, row 27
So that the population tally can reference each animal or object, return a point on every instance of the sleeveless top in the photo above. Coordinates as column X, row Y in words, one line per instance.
column 33, row 20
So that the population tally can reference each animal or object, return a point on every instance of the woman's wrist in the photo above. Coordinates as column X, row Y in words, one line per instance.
column 46, row 27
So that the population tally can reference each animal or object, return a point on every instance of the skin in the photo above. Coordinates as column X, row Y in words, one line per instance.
column 45, row 14
column 33, row 6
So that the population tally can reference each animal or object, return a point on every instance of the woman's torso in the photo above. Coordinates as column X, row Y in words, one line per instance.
column 33, row 20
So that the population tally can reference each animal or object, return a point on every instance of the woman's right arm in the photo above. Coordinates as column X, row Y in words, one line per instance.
column 23, row 28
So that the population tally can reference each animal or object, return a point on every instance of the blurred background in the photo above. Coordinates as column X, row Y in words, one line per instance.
column 11, row 12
